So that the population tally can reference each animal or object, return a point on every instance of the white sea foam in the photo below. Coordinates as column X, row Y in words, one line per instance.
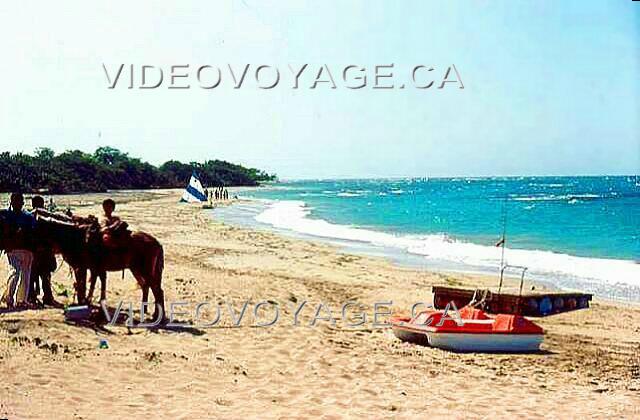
column 294, row 216
column 349, row 194
column 551, row 197
column 536, row 184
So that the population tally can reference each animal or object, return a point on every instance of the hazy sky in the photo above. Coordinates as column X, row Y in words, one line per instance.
column 550, row 87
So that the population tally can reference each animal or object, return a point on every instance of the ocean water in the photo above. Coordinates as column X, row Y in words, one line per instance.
column 571, row 232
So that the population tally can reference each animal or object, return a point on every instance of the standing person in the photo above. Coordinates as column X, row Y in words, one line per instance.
column 44, row 264
column 18, row 252
column 52, row 205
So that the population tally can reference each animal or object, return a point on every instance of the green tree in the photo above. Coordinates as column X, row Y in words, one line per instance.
column 110, row 168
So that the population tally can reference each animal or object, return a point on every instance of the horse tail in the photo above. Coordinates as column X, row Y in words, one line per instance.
column 158, row 265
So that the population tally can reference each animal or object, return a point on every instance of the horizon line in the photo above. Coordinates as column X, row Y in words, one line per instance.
column 464, row 177
column 312, row 178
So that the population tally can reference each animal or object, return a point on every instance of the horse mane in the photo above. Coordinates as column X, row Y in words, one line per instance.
column 69, row 237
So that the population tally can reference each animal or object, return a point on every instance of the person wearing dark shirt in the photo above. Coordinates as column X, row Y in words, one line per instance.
column 18, row 252
column 44, row 264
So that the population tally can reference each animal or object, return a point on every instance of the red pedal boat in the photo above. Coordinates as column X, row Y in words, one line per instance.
column 473, row 331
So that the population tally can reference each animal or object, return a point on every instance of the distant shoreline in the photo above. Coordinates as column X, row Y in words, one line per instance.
column 400, row 178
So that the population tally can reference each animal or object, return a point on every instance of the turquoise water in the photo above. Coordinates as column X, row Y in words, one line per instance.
column 591, row 217
column 585, row 229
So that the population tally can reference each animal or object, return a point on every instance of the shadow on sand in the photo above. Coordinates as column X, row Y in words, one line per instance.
column 98, row 321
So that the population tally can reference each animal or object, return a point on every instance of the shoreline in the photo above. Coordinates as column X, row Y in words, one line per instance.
column 617, row 292
column 557, row 192
column 589, row 364
column 409, row 261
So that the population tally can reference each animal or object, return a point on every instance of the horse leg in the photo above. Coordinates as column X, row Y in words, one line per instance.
column 103, row 285
column 145, row 297
column 144, row 285
column 152, row 278
column 158, row 297
column 92, row 285
column 80, row 284
column 156, row 282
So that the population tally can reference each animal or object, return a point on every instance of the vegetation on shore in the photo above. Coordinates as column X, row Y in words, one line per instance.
column 109, row 169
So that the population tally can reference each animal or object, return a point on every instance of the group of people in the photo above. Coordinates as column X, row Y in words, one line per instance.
column 30, row 263
column 217, row 193
column 31, row 260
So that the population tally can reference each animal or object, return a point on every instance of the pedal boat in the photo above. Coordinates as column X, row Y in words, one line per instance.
column 470, row 330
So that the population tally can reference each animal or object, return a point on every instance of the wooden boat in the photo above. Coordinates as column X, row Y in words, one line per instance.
column 527, row 304
column 473, row 331
column 497, row 302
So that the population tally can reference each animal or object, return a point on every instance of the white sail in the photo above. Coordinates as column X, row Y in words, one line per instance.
column 194, row 193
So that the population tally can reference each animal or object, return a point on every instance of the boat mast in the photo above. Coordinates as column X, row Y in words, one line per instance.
column 503, row 241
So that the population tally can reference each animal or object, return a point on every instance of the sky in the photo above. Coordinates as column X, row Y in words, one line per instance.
column 550, row 88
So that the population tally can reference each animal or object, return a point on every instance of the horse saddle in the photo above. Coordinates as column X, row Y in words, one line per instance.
column 117, row 236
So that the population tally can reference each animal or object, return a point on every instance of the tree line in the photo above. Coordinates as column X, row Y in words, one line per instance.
column 108, row 168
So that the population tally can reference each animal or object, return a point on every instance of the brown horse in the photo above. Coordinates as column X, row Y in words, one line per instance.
column 81, row 247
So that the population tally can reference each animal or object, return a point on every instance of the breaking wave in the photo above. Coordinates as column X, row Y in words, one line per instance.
column 556, row 267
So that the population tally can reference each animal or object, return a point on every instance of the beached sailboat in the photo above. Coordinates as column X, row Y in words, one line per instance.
column 194, row 191
column 472, row 330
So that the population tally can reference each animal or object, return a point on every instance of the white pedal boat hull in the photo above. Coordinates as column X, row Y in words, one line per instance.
column 485, row 342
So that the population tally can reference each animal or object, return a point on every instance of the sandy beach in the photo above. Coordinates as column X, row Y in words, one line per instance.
column 589, row 366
